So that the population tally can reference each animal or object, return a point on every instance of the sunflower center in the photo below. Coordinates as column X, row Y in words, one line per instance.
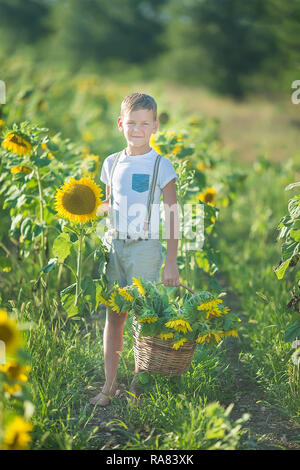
column 79, row 199
column 18, row 140
column 6, row 334
column 209, row 197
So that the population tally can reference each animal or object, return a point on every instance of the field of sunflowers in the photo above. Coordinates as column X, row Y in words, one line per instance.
column 242, row 389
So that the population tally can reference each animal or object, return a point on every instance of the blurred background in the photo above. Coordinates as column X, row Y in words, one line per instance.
column 228, row 59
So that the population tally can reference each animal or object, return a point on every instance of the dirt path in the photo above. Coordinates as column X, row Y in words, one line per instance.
column 269, row 429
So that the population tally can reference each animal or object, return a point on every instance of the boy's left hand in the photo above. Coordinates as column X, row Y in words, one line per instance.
column 170, row 274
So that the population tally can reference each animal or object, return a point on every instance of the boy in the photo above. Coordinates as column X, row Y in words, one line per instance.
column 135, row 248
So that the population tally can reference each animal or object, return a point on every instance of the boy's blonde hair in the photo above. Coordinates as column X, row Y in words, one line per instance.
column 137, row 101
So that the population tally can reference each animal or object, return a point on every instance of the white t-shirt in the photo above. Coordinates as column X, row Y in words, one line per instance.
column 131, row 185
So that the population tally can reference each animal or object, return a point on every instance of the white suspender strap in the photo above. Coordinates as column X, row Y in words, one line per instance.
column 151, row 196
column 110, row 196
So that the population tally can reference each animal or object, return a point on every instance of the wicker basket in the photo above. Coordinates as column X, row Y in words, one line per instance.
column 158, row 356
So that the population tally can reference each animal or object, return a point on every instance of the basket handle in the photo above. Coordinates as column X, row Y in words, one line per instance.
column 179, row 285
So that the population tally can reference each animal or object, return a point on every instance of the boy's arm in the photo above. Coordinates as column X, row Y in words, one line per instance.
column 104, row 205
column 170, row 274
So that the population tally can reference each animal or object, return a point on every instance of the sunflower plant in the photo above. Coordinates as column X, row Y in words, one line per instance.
column 16, row 408
column 77, row 202
column 289, row 235
column 199, row 317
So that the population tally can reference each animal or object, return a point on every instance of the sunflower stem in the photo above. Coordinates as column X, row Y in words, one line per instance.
column 79, row 266
column 42, row 248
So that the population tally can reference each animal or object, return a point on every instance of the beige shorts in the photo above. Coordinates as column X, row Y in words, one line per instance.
column 133, row 258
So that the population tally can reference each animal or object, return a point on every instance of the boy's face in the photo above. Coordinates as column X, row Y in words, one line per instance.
column 138, row 126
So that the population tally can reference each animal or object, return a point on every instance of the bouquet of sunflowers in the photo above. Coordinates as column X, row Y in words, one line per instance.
column 198, row 317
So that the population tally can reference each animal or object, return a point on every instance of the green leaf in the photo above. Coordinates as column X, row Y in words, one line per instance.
column 37, row 230
column 68, row 303
column 292, row 332
column 52, row 264
column 15, row 222
column 280, row 270
column 295, row 235
column 25, row 228
column 68, row 289
column 62, row 246
column 89, row 289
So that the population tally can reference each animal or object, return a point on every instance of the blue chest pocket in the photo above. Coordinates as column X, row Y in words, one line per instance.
column 140, row 182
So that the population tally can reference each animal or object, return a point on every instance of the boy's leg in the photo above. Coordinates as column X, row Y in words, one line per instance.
column 113, row 342
column 114, row 325
column 144, row 259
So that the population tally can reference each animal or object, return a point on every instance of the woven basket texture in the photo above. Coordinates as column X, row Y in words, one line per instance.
column 157, row 356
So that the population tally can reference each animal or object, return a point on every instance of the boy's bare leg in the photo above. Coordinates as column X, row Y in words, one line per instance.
column 113, row 342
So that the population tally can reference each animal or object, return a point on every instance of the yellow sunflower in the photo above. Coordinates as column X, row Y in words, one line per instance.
column 12, row 389
column 148, row 319
column 15, row 371
column 206, row 338
column 139, row 286
column 208, row 196
column 125, row 294
column 17, row 143
column 78, row 201
column 233, row 333
column 213, row 313
column 20, row 169
column 103, row 300
column 179, row 324
column 166, row 335
column 112, row 303
column 16, row 436
column 179, row 343
column 210, row 304
column 49, row 154
column 9, row 333
column 153, row 144
column 202, row 166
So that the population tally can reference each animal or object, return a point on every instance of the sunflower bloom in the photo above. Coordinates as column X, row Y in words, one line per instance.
column 112, row 302
column 166, row 335
column 49, row 154
column 125, row 294
column 208, row 196
column 180, row 324
column 20, row 169
column 233, row 333
column 213, row 313
column 179, row 343
column 12, row 389
column 9, row 333
column 153, row 144
column 202, row 166
column 176, row 149
column 210, row 304
column 17, row 435
column 139, row 286
column 17, row 143
column 148, row 319
column 90, row 165
column 209, row 337
column 78, row 201
column 102, row 300
column 15, row 371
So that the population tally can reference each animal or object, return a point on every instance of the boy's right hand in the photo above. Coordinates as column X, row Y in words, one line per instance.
column 104, row 206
